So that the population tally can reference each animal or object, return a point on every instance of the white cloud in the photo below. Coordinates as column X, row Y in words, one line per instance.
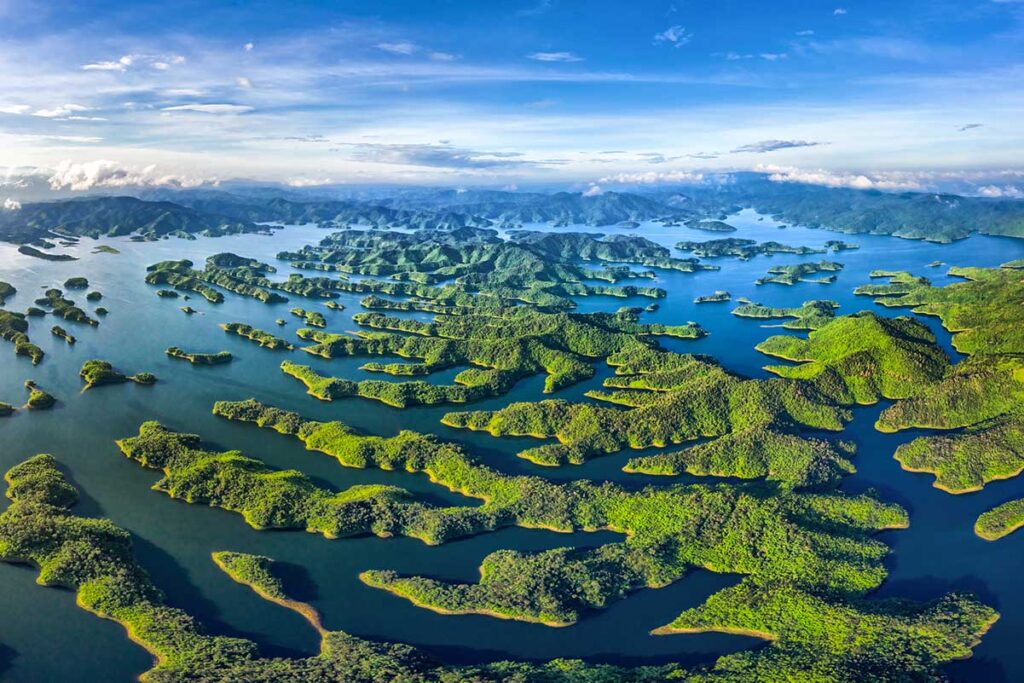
column 15, row 109
column 79, row 177
column 243, row 82
column 59, row 111
column 805, row 32
column 892, row 180
column 839, row 11
column 674, row 35
column 121, row 64
column 652, row 177
column 248, row 47
column 11, row 204
column 773, row 56
column 1001, row 192
column 443, row 56
column 402, row 47
column 554, row 57
column 592, row 191
column 212, row 108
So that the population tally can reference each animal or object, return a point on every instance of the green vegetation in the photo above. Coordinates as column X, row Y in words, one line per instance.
column 866, row 356
column 14, row 328
column 94, row 296
column 718, row 296
column 76, row 283
column 722, row 528
column 1001, row 520
column 742, row 249
column 981, row 396
column 35, row 253
column 94, row 558
column 6, row 409
column 264, row 339
column 252, row 570
column 335, row 306
column 200, row 358
column 502, row 347
column 188, row 310
column 101, row 311
column 311, row 318
column 800, row 272
column 809, row 316
column 167, row 294
column 38, row 399
column 60, row 332
column 105, row 249
column 114, row 216
column 475, row 268
column 62, row 307
column 711, row 226
column 7, row 290
column 239, row 275
column 98, row 372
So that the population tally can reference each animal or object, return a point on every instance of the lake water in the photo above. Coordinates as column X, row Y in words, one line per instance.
column 45, row 636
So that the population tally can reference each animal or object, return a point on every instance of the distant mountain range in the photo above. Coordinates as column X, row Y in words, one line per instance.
column 159, row 213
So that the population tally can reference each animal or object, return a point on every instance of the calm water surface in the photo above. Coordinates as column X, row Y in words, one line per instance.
column 45, row 637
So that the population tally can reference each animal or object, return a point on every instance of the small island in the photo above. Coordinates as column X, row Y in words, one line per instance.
column 61, row 333
column 38, row 399
column 218, row 358
column 98, row 372
column 718, row 297
column 264, row 339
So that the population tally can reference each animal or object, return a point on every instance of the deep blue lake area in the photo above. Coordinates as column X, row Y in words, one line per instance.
column 45, row 637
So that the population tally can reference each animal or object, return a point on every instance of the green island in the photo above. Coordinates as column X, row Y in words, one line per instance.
column 801, row 272
column 311, row 318
column 94, row 296
column 742, row 249
column 1001, row 520
column 557, row 587
column 97, row 372
column 501, row 347
column 718, row 297
column 257, row 572
column 979, row 397
column 218, row 358
column 95, row 559
column 711, row 226
column 671, row 398
column 335, row 306
column 61, row 333
column 808, row 316
column 264, row 339
column 540, row 268
column 38, row 399
column 167, row 294
column 62, row 307
column 14, row 328
column 6, row 409
column 105, row 249
column 76, row 283
column 36, row 253
column 7, row 290
column 188, row 310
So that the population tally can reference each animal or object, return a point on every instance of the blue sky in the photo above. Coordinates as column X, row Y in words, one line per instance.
column 897, row 95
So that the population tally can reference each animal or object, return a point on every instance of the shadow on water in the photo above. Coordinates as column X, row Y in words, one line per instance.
column 298, row 584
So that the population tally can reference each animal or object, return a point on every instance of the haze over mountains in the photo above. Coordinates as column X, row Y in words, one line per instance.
column 154, row 213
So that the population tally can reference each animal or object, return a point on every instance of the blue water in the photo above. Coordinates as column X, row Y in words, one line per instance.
column 936, row 554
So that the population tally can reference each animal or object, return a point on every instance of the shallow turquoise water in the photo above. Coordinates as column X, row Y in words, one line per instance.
column 174, row 540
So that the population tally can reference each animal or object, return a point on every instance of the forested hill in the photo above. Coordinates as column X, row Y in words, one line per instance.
column 912, row 215
column 96, row 216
